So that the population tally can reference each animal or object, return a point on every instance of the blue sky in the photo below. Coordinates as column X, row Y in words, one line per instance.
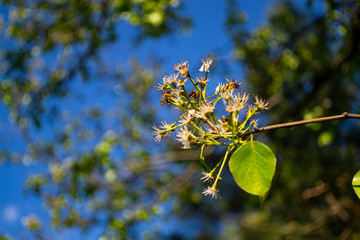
column 206, row 36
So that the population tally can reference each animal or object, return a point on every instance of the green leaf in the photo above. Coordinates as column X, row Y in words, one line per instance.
column 356, row 183
column 253, row 167
column 262, row 199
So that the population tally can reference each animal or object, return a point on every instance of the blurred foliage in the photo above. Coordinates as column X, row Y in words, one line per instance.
column 4, row 237
column 103, row 171
column 45, row 44
column 306, row 62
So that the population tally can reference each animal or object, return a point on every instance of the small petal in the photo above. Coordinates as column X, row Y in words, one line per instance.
column 157, row 134
column 206, row 64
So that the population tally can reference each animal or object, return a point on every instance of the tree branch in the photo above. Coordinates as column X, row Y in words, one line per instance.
column 303, row 122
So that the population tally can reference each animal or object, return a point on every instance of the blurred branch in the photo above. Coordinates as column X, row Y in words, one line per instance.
column 175, row 156
column 180, row 182
column 336, row 208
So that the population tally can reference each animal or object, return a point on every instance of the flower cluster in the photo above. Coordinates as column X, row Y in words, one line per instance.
column 198, row 125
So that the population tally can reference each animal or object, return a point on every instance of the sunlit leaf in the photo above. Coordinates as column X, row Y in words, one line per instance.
column 356, row 183
column 253, row 167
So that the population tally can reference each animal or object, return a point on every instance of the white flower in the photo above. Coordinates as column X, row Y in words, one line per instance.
column 204, row 110
column 207, row 177
column 220, row 88
column 188, row 118
column 236, row 103
column 168, row 80
column 260, row 103
column 158, row 133
column 184, row 136
column 206, row 64
column 171, row 79
column 165, row 126
column 212, row 191
column 254, row 123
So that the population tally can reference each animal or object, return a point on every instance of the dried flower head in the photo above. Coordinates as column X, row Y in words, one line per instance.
column 211, row 191
column 168, row 80
column 182, row 68
column 167, row 97
column 260, row 103
column 194, row 94
column 236, row 103
column 181, row 82
column 165, row 126
column 254, row 123
column 204, row 110
column 207, row 177
column 202, row 81
column 158, row 133
column 231, row 83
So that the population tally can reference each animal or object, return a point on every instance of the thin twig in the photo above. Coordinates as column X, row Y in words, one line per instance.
column 303, row 122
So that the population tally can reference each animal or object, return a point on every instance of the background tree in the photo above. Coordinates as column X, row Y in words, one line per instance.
column 102, row 174
column 46, row 44
column 306, row 62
